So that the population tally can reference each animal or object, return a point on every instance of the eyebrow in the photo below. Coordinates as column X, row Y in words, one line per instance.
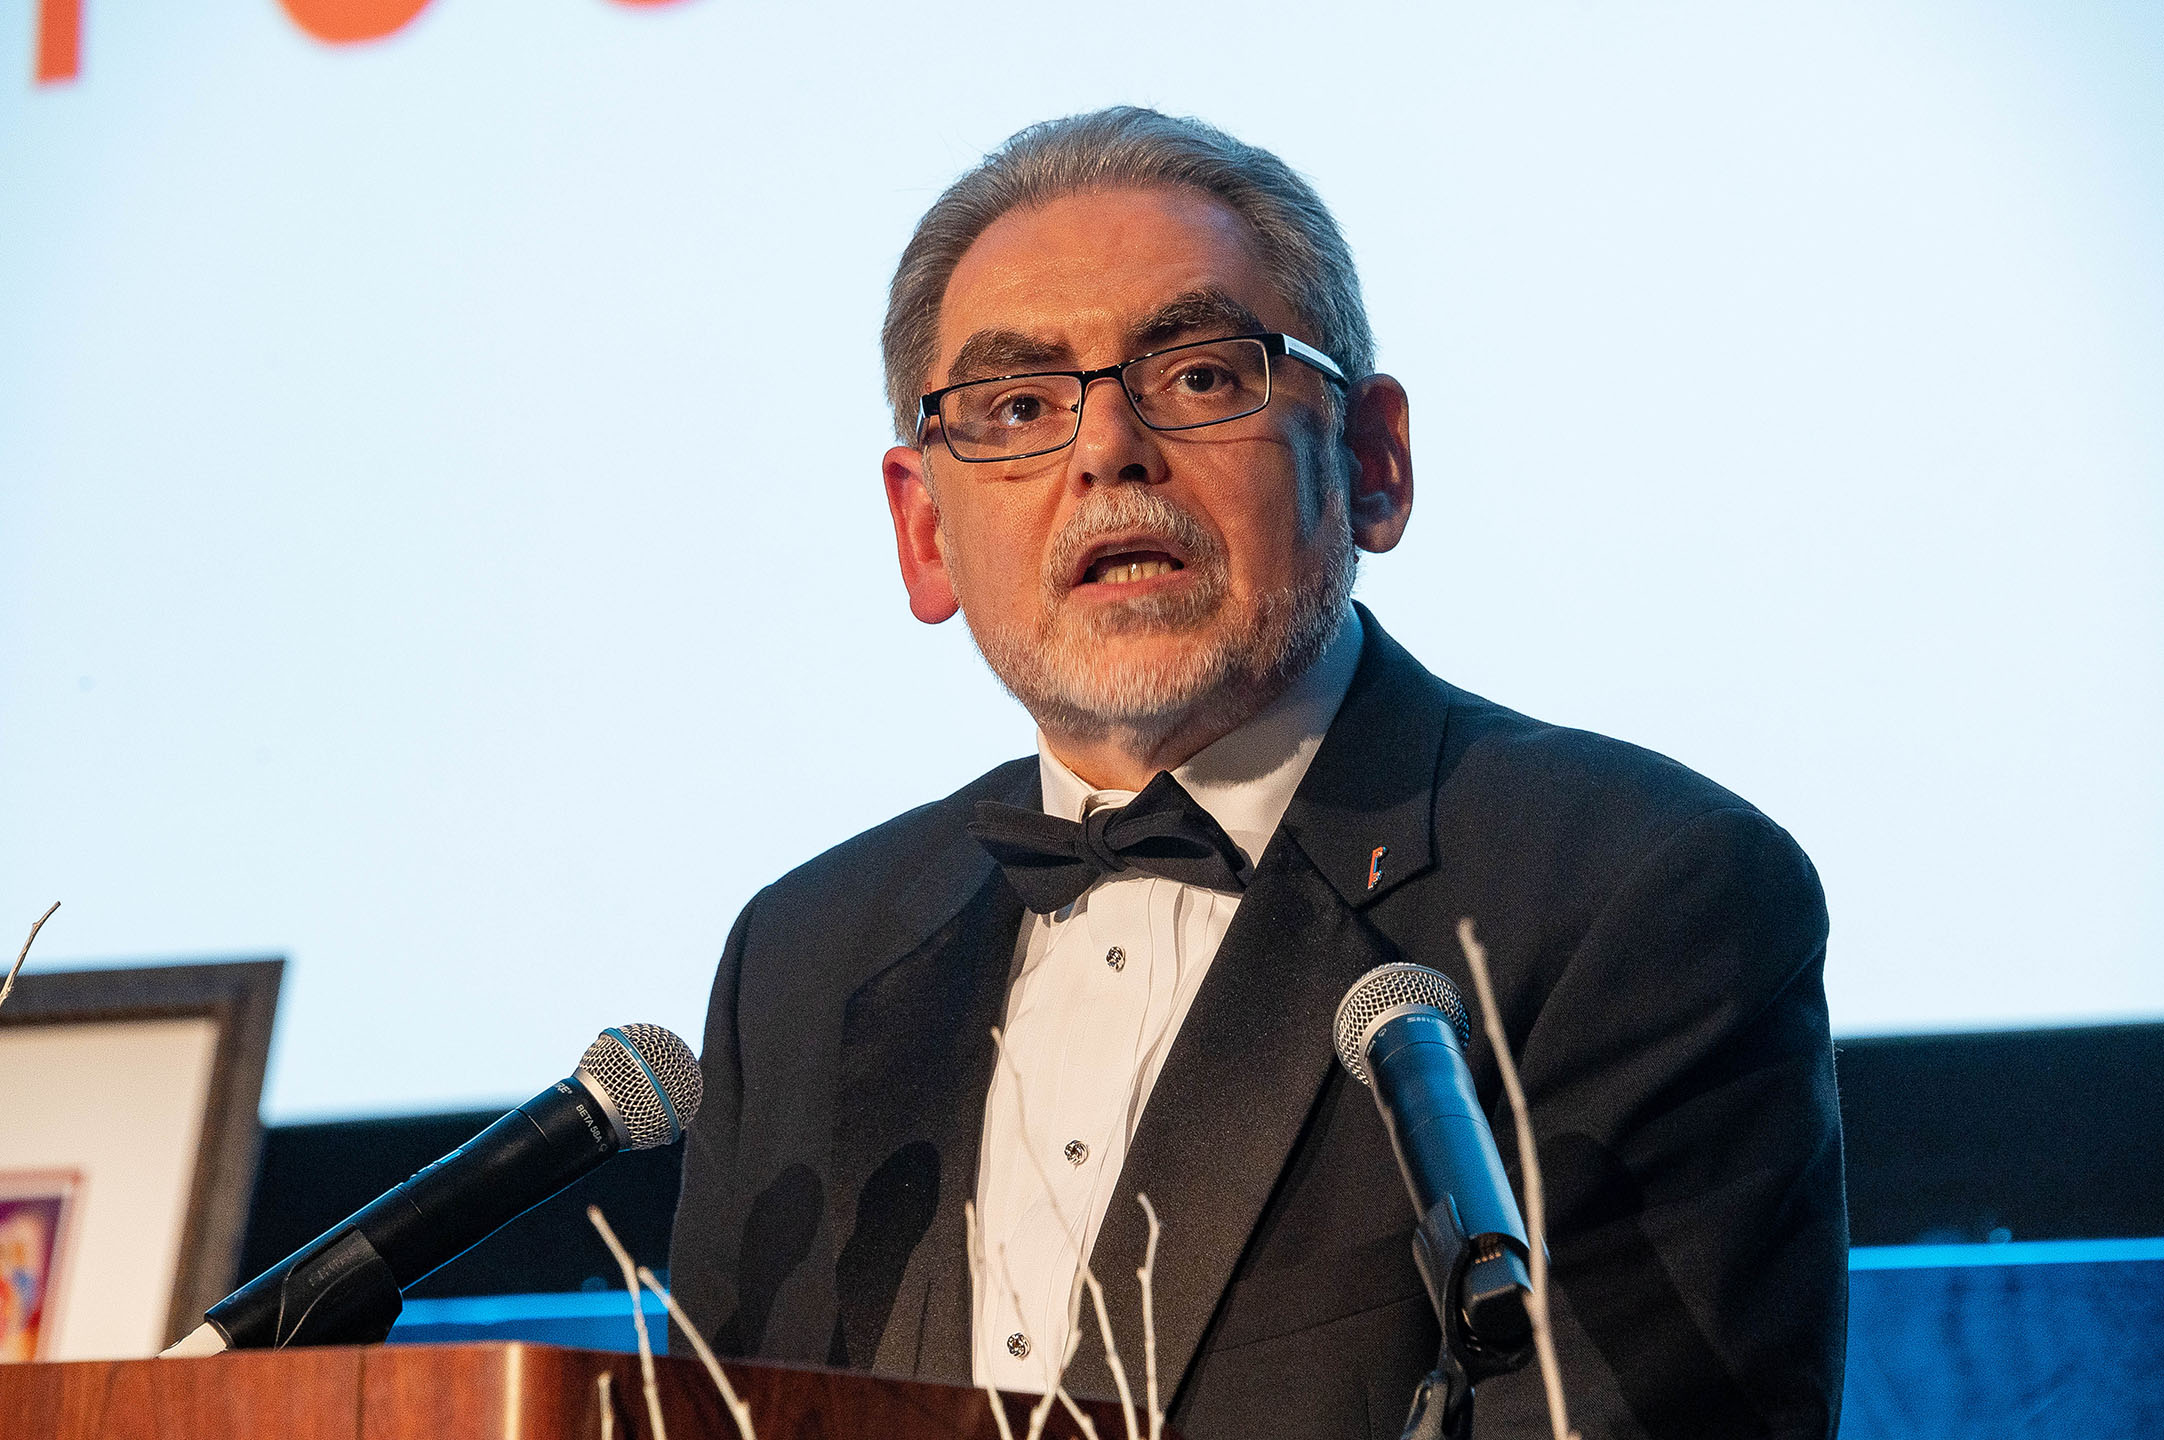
column 1004, row 352
column 1210, row 313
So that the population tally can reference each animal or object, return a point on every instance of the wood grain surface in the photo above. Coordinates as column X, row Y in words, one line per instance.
column 480, row 1392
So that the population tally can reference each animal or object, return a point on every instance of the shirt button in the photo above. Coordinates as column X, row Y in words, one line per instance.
column 1018, row 1345
column 1076, row 1152
column 1116, row 958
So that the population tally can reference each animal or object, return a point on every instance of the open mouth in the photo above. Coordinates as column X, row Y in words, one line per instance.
column 1128, row 566
column 1130, row 559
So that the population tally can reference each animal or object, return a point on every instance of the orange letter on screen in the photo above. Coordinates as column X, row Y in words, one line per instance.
column 341, row 22
column 60, row 40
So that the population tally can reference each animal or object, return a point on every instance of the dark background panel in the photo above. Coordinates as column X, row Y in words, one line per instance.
column 2021, row 1135
column 2011, row 1135
column 313, row 1176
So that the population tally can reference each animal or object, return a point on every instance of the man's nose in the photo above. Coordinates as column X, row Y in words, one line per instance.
column 1113, row 446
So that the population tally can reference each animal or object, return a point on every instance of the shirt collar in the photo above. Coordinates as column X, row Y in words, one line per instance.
column 1247, row 778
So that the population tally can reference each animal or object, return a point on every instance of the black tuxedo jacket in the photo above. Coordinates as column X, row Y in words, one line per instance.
column 1657, row 946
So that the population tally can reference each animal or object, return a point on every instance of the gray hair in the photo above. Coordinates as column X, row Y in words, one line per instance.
column 1297, row 241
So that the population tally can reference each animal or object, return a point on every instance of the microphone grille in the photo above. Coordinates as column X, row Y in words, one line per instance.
column 1385, row 988
column 652, row 1079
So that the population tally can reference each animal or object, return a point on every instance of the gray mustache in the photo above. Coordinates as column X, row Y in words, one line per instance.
column 1133, row 510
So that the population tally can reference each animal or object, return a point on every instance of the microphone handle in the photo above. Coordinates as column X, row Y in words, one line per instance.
column 1436, row 1125
column 1471, row 1245
column 342, row 1288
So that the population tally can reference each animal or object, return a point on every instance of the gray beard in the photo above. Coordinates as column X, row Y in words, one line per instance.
column 1056, row 667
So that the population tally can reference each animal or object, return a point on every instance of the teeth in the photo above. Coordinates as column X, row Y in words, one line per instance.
column 1134, row 570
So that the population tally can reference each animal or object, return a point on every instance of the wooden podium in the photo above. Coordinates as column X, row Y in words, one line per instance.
column 484, row 1392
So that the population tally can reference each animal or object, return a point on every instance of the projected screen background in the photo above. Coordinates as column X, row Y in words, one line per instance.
column 440, row 531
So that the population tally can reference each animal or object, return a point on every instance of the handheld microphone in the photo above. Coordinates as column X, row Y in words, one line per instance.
column 635, row 1088
column 1401, row 1030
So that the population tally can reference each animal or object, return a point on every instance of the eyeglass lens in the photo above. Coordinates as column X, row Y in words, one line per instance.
column 1201, row 384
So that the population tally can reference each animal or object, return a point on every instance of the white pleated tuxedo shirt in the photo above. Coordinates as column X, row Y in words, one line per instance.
column 1097, row 995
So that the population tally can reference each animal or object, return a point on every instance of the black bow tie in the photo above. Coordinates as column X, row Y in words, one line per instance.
column 1162, row 831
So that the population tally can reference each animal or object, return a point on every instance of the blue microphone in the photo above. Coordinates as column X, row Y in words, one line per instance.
column 1401, row 1030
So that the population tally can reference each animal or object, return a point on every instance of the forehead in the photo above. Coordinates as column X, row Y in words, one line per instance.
column 1083, row 269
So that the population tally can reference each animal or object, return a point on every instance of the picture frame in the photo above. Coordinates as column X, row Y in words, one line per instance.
column 133, row 1133
column 37, row 1221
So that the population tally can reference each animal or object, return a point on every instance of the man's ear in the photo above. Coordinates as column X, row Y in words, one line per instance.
column 1378, row 432
column 916, row 536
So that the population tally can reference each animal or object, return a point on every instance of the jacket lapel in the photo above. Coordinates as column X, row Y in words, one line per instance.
column 915, row 1066
column 1365, row 811
column 1245, row 1071
column 1254, row 1052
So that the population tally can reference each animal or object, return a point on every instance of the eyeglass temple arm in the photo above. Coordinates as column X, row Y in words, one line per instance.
column 1300, row 350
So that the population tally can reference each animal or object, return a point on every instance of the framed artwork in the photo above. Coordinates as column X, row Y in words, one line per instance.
column 35, row 1210
column 128, row 1151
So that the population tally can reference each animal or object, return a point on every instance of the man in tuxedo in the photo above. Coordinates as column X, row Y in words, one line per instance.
column 1143, row 441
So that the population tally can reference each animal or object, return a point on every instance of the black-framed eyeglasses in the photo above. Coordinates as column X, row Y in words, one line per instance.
column 1205, row 382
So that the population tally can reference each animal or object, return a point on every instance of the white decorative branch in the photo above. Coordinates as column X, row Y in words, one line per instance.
column 1081, row 1418
column 738, row 1410
column 7, row 986
column 1074, row 1343
column 976, row 1280
column 1112, row 1354
column 1042, row 1410
column 638, row 1319
column 1082, row 1267
column 1146, row 1274
column 1536, row 1217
